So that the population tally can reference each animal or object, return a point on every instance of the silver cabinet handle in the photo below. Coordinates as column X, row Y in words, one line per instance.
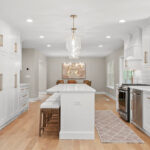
column 148, row 97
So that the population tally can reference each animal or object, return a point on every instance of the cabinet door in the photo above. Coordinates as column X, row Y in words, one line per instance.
column 16, row 100
column 146, row 46
column 146, row 112
column 1, row 106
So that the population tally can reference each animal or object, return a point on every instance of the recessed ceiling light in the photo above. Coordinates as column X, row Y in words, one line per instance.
column 48, row 45
column 29, row 20
column 42, row 37
column 122, row 21
column 108, row 36
column 100, row 45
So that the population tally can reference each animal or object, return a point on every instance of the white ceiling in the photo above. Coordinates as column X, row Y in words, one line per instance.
column 96, row 19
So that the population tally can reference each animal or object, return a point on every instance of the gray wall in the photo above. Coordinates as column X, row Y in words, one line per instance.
column 115, row 56
column 42, row 73
column 95, row 71
column 34, row 60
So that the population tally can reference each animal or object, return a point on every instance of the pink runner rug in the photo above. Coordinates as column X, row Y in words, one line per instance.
column 112, row 129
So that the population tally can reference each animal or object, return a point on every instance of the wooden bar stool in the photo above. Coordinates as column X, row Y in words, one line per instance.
column 47, row 111
column 72, row 81
column 54, row 97
column 87, row 82
column 60, row 82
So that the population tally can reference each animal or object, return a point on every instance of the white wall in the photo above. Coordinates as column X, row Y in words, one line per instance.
column 95, row 71
column 115, row 57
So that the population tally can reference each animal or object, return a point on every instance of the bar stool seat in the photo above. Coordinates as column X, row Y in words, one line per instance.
column 48, row 105
column 54, row 97
column 47, row 111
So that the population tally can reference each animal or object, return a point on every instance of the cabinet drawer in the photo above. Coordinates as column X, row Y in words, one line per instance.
column 146, row 106
column 23, row 96
column 147, row 98
column 146, row 127
column 146, row 120
column 147, row 95
column 146, row 111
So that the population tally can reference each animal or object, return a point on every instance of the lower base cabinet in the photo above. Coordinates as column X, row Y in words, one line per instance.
column 24, row 96
column 13, row 102
column 146, row 112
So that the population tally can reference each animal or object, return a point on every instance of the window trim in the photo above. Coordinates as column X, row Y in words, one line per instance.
column 110, row 72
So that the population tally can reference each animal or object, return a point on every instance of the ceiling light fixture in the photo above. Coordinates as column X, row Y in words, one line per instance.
column 100, row 46
column 73, row 43
column 48, row 45
column 108, row 37
column 29, row 20
column 122, row 21
column 42, row 37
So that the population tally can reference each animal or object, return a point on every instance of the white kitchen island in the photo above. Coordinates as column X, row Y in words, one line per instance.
column 77, row 110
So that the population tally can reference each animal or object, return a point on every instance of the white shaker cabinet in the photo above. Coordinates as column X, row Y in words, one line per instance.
column 146, row 46
column 9, row 95
column 146, row 112
column 24, row 96
column 10, row 66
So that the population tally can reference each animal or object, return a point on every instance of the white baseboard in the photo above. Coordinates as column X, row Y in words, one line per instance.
column 77, row 135
column 143, row 130
column 111, row 96
column 34, row 99
column 6, row 121
column 100, row 92
column 43, row 93
column 107, row 94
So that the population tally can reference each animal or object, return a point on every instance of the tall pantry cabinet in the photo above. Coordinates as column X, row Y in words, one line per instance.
column 10, row 66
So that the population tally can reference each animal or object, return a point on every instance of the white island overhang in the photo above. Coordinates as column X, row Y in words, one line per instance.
column 77, row 110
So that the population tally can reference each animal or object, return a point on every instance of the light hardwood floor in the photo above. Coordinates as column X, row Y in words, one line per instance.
column 22, row 134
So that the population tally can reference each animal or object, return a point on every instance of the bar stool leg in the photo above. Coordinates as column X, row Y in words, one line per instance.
column 40, row 123
column 59, row 119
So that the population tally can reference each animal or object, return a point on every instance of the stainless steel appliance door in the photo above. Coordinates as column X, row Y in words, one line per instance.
column 123, row 97
column 138, row 107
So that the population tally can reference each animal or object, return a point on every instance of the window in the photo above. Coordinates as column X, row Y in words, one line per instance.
column 121, row 70
column 1, row 81
column 110, row 74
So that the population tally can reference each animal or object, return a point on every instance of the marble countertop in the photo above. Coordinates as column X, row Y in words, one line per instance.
column 143, row 88
column 71, row 88
column 24, row 84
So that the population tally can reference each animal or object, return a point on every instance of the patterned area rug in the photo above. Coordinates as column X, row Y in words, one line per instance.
column 112, row 129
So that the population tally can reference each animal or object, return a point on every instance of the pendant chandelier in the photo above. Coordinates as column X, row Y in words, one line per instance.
column 73, row 43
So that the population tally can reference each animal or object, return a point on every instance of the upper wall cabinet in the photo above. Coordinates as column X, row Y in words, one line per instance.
column 133, row 45
column 146, row 46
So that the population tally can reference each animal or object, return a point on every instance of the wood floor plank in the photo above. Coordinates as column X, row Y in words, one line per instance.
column 22, row 134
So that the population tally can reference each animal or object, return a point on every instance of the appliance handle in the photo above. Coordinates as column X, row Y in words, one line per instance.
column 123, row 91
column 136, row 94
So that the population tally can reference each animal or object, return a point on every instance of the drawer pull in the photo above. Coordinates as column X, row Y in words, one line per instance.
column 148, row 97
